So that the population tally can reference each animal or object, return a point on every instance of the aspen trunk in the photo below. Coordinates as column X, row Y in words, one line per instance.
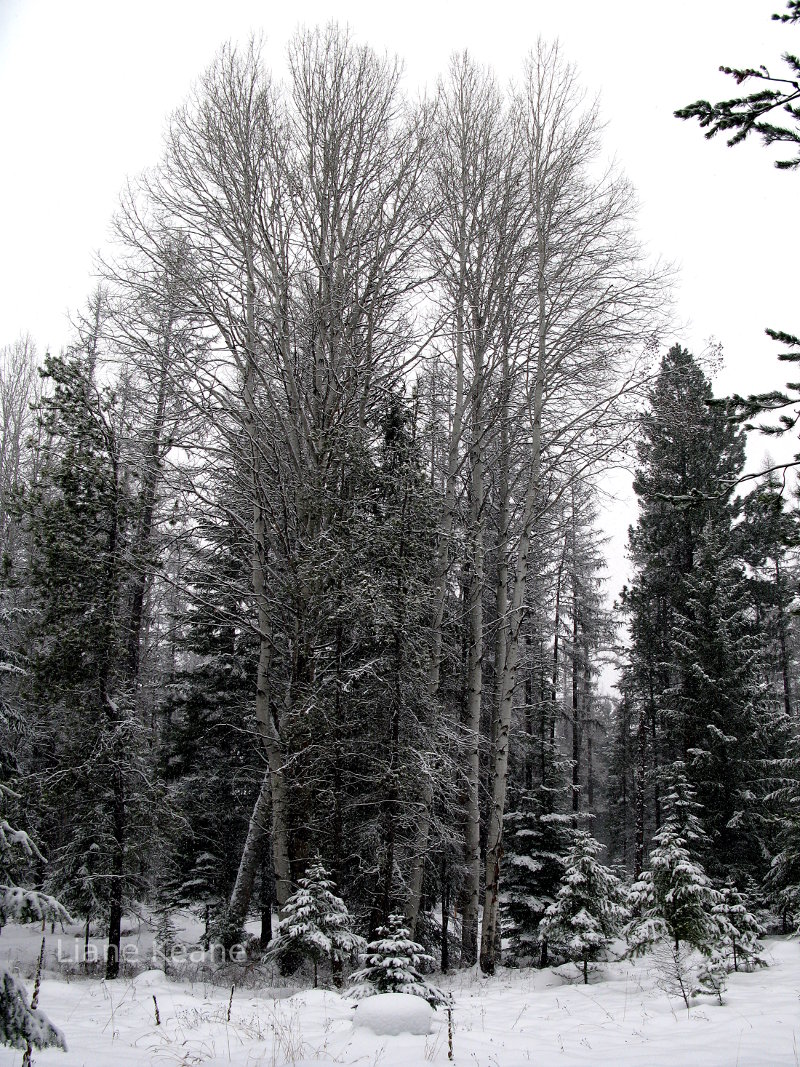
column 251, row 853
column 444, row 535
column 472, row 725
column 507, row 670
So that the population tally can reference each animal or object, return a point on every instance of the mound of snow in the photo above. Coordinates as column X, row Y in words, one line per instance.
column 394, row 1013
column 312, row 998
column 149, row 979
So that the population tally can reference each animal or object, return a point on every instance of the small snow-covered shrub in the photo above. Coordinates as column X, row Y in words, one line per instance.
column 391, row 965
column 712, row 976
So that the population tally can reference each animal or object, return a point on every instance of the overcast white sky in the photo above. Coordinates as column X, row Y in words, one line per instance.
column 86, row 86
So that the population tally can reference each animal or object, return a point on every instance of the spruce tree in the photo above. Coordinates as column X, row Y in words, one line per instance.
column 674, row 898
column 782, row 880
column 766, row 539
column 93, row 758
column 689, row 456
column 740, row 929
column 210, row 759
column 315, row 925
column 712, row 975
column 391, row 965
column 589, row 910
column 719, row 710
column 763, row 111
column 537, row 843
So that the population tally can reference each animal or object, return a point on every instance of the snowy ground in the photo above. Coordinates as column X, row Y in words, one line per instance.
column 516, row 1019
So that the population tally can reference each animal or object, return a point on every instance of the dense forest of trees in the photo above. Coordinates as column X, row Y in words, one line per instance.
column 301, row 563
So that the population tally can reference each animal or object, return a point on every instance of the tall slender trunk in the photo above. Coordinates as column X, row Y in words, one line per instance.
column 507, row 670
column 444, row 536
column 267, row 884
column 265, row 713
column 639, row 793
column 556, row 663
column 576, row 715
column 113, row 718
column 115, row 896
column 147, row 500
column 472, row 725
column 782, row 638
column 654, row 747
column 257, row 830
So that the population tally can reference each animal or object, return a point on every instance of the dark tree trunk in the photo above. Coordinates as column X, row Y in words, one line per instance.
column 117, row 878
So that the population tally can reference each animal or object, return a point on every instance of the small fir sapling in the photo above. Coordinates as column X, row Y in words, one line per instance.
column 164, row 935
column 712, row 976
column 315, row 925
column 674, row 898
column 674, row 973
column 740, row 930
column 391, row 965
column 202, row 884
column 588, row 911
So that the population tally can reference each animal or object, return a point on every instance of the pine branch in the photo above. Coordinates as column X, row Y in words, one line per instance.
column 744, row 115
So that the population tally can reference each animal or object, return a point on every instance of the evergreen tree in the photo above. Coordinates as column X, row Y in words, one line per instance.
column 210, row 758
column 712, row 975
column 315, row 925
column 621, row 781
column 588, row 911
column 537, row 844
column 674, row 898
column 718, row 710
column 740, row 929
column 756, row 112
column 689, row 456
column 783, row 877
column 21, row 1025
column 391, row 965
column 164, row 933
column 91, row 754
column 766, row 540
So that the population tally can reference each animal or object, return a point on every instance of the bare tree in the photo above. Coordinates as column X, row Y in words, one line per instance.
column 300, row 216
column 19, row 391
column 477, row 254
column 595, row 303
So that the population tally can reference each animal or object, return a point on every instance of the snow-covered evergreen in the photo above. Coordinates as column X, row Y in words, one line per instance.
column 21, row 1024
column 674, row 898
column 712, row 975
column 588, row 911
column 536, row 845
column 740, row 930
column 391, row 965
column 316, row 924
